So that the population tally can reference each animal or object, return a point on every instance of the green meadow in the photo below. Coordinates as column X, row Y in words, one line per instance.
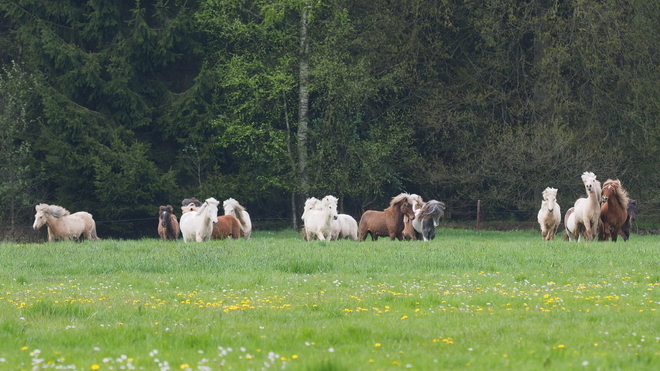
column 467, row 300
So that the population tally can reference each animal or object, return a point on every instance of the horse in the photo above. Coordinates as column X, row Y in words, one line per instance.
column 232, row 207
column 64, row 225
column 549, row 215
column 427, row 219
column 632, row 215
column 226, row 227
column 345, row 226
column 569, row 224
column 168, row 226
column 587, row 210
column 197, row 225
column 388, row 222
column 310, row 204
column 190, row 204
column 409, row 232
column 318, row 220
column 613, row 210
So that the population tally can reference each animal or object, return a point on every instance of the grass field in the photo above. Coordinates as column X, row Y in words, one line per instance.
column 467, row 300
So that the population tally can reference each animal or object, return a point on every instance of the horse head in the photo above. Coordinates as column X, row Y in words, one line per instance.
column 212, row 209
column 589, row 180
column 329, row 203
column 39, row 220
column 550, row 198
column 632, row 209
column 607, row 192
column 165, row 212
column 405, row 205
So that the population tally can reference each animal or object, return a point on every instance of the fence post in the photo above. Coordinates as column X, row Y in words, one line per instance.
column 478, row 213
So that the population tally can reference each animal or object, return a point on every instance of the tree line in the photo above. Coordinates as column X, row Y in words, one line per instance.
column 119, row 107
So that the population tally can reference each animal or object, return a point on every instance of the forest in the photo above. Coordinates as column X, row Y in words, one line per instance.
column 117, row 107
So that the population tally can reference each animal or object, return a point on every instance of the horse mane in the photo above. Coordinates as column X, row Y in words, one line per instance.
column 417, row 198
column 194, row 201
column 400, row 198
column 53, row 210
column 432, row 208
column 238, row 209
column 620, row 193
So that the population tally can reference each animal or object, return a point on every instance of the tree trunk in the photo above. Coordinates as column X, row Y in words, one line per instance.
column 303, row 110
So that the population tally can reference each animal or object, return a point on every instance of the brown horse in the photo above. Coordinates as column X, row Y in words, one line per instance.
column 226, row 227
column 168, row 226
column 613, row 210
column 388, row 222
column 632, row 215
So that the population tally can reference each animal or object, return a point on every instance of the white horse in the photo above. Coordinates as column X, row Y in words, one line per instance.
column 64, row 225
column 549, row 215
column 587, row 210
column 345, row 226
column 197, row 225
column 319, row 219
column 427, row 218
column 232, row 207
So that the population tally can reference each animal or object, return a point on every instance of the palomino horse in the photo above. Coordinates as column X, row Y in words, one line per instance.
column 232, row 207
column 318, row 218
column 197, row 225
column 168, row 226
column 427, row 219
column 587, row 210
column 388, row 222
column 613, row 210
column 64, row 225
column 549, row 215
column 226, row 227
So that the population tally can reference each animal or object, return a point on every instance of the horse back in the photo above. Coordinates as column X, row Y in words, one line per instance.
column 374, row 222
column 227, row 226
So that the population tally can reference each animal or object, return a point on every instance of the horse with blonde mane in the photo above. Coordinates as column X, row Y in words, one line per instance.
column 587, row 210
column 318, row 218
column 197, row 225
column 64, row 225
column 388, row 222
column 613, row 210
column 168, row 225
column 549, row 215
column 232, row 207
column 409, row 231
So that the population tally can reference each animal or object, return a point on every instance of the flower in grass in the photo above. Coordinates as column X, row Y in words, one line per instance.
column 404, row 317
column 184, row 366
column 95, row 367
column 560, row 346
column 24, row 348
column 295, row 356
column 377, row 344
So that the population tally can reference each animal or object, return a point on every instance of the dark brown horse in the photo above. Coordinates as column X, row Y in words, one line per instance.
column 168, row 226
column 388, row 222
column 613, row 210
column 624, row 231
column 226, row 227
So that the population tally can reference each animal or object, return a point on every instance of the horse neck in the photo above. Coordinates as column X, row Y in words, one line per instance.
column 57, row 225
column 238, row 213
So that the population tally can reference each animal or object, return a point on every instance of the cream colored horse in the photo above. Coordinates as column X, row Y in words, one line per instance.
column 587, row 210
column 232, row 207
column 197, row 225
column 64, row 225
column 549, row 215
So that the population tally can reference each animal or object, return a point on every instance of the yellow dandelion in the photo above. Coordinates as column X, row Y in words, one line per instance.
column 404, row 317
column 295, row 356
column 95, row 367
column 184, row 366
column 560, row 346
column 24, row 348
column 377, row 344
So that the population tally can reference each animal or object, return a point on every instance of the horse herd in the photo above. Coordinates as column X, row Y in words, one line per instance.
column 604, row 213
column 408, row 217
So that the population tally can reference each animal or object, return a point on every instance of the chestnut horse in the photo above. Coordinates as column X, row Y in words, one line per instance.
column 614, row 209
column 168, row 225
column 226, row 227
column 388, row 222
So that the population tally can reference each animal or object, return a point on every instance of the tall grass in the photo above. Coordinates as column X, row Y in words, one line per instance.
column 489, row 300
